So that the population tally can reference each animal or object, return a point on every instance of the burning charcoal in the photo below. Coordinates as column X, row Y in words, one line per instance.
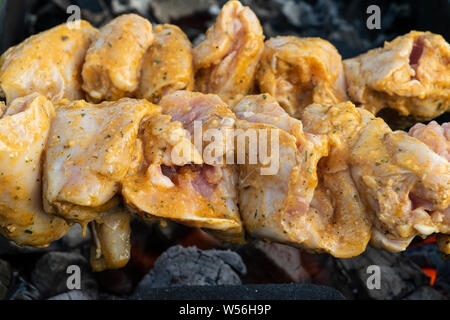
column 50, row 273
column 443, row 277
column 200, row 239
column 116, row 281
column 170, row 232
column 394, row 12
column 299, row 14
column 230, row 258
column 72, row 295
column 74, row 238
column 428, row 256
column 399, row 276
column 95, row 11
column 272, row 263
column 24, row 290
column 126, row 6
column 286, row 258
column 169, row 10
column 425, row 256
column 263, row 9
column 5, row 278
column 180, row 266
column 426, row 293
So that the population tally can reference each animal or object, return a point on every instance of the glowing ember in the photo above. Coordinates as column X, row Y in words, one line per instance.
column 431, row 273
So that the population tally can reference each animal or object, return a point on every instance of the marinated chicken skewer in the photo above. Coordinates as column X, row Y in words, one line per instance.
column 343, row 176
column 301, row 71
column 411, row 74
column 48, row 63
column 328, row 203
column 167, row 66
column 114, row 59
column 226, row 61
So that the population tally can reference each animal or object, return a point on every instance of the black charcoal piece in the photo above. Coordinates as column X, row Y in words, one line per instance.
column 426, row 293
column 5, row 278
column 167, row 11
column 399, row 276
column 50, row 274
column 74, row 238
column 23, row 290
column 180, row 266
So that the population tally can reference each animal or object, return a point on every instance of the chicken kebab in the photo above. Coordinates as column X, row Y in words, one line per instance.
column 143, row 143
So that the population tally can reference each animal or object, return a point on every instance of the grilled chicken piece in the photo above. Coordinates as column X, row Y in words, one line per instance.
column 24, row 130
column 401, row 181
column 226, row 61
column 167, row 65
column 196, row 191
column 48, row 63
column 90, row 150
column 113, row 62
column 301, row 71
column 111, row 248
column 411, row 74
column 305, row 204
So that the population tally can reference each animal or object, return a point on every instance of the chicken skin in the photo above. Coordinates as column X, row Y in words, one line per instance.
column 48, row 63
column 196, row 191
column 113, row 62
column 226, row 61
column 89, row 152
column 302, row 204
column 411, row 74
column 301, row 71
column 24, row 130
column 167, row 66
